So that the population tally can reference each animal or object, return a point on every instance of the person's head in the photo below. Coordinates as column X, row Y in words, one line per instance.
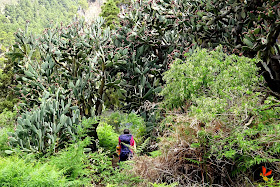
column 126, row 131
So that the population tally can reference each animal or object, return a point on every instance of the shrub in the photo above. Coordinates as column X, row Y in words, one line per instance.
column 7, row 96
column 103, row 173
column 231, row 128
column 213, row 82
column 113, row 124
column 4, row 140
column 101, row 168
column 178, row 162
column 47, row 127
column 107, row 137
column 132, row 121
column 226, row 98
column 7, row 118
column 15, row 171
column 73, row 162
column 110, row 13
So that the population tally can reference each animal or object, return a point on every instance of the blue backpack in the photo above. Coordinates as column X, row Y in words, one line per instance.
column 125, row 151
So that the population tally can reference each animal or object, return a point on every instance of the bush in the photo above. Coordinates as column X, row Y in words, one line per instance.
column 7, row 118
column 47, row 127
column 213, row 82
column 101, row 168
column 113, row 124
column 102, row 172
column 107, row 137
column 231, row 128
column 8, row 99
column 110, row 13
column 132, row 121
column 4, row 140
column 73, row 162
column 15, row 171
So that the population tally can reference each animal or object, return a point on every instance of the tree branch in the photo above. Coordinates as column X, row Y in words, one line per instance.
column 272, row 106
column 60, row 64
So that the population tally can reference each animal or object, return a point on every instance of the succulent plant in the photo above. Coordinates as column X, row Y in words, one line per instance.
column 67, row 64
column 71, row 59
column 154, row 32
column 244, row 27
column 46, row 127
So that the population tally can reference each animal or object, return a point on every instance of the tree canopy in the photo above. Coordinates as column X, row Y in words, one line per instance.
column 39, row 14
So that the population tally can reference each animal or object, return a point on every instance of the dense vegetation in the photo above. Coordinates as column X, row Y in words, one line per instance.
column 38, row 13
column 227, row 124
column 110, row 13
column 199, row 116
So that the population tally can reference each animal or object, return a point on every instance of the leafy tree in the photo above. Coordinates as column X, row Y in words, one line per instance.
column 7, row 97
column 83, row 4
column 39, row 13
column 110, row 13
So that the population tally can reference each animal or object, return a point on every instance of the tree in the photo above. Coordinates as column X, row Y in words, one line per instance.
column 38, row 13
column 83, row 4
column 110, row 13
column 7, row 97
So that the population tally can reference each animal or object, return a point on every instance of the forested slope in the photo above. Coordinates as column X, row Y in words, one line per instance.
column 39, row 14
column 193, row 81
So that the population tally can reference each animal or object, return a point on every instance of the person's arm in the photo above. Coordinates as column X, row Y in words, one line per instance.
column 133, row 143
column 118, row 148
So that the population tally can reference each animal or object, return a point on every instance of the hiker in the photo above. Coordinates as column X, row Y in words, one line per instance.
column 123, row 149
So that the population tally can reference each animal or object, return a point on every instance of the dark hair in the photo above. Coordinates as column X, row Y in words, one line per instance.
column 126, row 131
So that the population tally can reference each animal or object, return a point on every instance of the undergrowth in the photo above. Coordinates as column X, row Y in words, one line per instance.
column 228, row 127
column 15, row 171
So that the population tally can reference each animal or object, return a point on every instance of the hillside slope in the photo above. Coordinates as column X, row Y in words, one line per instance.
column 93, row 11
column 4, row 2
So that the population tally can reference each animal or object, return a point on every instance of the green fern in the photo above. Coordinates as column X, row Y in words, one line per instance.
column 155, row 153
column 194, row 161
column 143, row 146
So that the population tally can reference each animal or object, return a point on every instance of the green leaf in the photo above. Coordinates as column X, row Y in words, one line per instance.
column 143, row 81
column 148, row 93
column 243, row 13
column 158, row 89
column 9, row 152
column 248, row 42
column 137, row 70
column 140, row 50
